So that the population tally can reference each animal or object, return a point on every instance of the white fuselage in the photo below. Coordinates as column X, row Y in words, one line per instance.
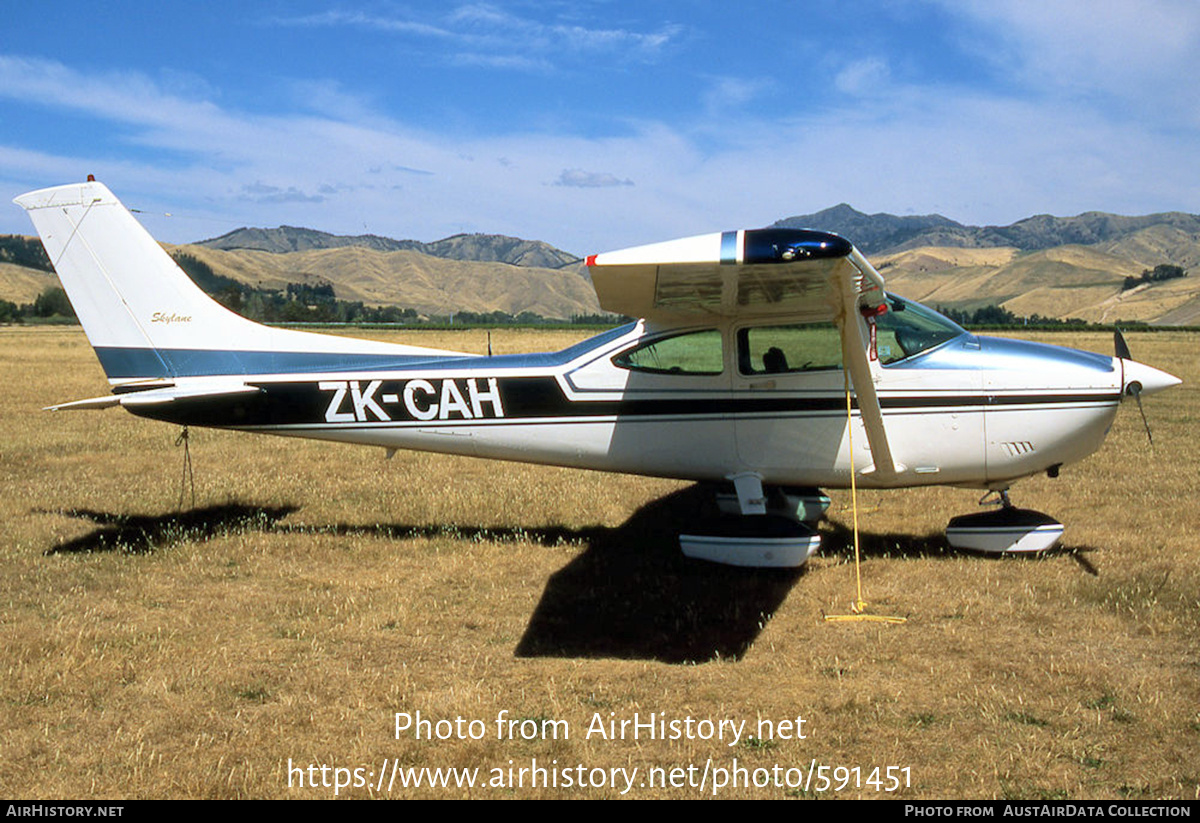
column 971, row 411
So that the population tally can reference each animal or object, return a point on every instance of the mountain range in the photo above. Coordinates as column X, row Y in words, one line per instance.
column 482, row 248
column 1057, row 267
column 888, row 233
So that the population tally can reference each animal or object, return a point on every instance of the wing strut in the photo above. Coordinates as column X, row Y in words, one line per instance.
column 858, row 608
column 854, row 359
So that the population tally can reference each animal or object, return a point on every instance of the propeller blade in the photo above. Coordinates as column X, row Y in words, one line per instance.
column 1121, row 346
column 1136, row 391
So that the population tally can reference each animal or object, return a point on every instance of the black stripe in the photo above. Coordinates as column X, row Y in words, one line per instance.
column 926, row 401
column 534, row 398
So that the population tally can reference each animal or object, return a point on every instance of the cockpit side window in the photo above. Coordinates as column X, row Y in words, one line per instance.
column 696, row 353
column 909, row 328
column 794, row 348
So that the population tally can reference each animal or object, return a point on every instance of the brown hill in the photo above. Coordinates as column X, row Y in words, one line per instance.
column 949, row 277
column 21, row 285
column 1080, row 281
column 484, row 248
column 410, row 279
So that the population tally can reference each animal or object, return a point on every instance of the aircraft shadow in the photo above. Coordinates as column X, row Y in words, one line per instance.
column 633, row 595
column 145, row 533
column 630, row 595
column 839, row 538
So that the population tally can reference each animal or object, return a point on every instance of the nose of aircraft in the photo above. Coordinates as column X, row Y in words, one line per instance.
column 1140, row 378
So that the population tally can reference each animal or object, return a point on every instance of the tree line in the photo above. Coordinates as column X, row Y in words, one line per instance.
column 993, row 315
column 1158, row 274
column 296, row 303
column 49, row 306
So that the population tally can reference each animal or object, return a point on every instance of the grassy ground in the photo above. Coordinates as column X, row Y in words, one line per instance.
column 315, row 590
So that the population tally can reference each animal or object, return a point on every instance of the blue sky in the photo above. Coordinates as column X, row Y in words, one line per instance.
column 595, row 125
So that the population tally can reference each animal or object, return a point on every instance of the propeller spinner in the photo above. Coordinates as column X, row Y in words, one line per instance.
column 1139, row 379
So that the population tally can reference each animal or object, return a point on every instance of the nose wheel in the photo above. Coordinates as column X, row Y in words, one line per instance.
column 1004, row 530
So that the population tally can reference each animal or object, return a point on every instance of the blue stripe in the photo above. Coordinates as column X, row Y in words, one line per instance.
column 126, row 363
column 729, row 247
column 121, row 363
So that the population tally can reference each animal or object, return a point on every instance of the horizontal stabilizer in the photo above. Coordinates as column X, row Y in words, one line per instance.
column 91, row 403
column 159, row 396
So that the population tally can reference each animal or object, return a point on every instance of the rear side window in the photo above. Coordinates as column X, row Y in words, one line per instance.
column 697, row 352
column 795, row 348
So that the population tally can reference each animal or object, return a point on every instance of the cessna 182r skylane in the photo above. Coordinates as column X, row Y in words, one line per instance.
column 762, row 361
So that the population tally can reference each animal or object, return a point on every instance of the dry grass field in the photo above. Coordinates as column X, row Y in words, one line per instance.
column 314, row 591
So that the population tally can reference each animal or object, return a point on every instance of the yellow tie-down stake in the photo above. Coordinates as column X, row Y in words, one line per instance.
column 859, row 606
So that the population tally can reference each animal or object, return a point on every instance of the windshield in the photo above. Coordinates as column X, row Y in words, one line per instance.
column 909, row 328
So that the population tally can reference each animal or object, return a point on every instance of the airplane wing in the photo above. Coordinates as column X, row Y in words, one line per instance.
column 764, row 271
column 802, row 274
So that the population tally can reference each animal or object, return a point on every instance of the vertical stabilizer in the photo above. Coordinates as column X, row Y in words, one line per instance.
column 146, row 319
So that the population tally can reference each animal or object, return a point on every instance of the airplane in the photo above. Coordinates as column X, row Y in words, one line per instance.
column 769, row 364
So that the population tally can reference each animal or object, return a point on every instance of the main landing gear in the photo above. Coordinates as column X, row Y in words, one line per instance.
column 1004, row 530
column 767, row 529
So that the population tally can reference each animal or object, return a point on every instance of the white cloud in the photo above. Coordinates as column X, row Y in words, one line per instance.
column 865, row 77
column 393, row 25
column 482, row 34
column 734, row 92
column 340, row 163
column 1145, row 54
column 589, row 179
column 307, row 169
column 259, row 192
column 137, row 97
column 517, row 62
column 489, row 24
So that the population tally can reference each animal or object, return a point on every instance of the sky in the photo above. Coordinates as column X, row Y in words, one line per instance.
column 597, row 124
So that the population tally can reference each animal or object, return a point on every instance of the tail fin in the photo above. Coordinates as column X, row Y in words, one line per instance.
column 147, row 320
